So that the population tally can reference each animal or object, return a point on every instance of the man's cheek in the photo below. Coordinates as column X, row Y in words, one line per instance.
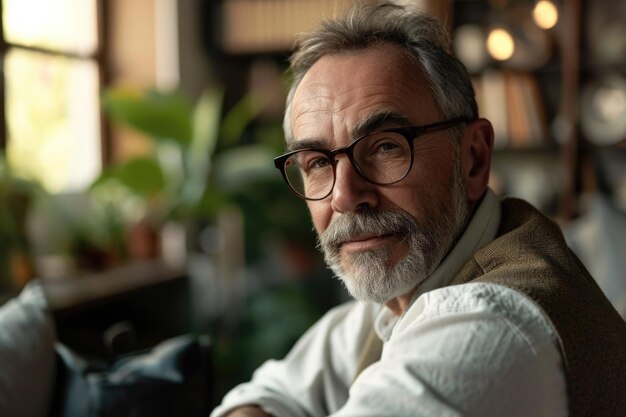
column 320, row 219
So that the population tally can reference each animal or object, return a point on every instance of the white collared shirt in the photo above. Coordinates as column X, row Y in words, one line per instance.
column 466, row 350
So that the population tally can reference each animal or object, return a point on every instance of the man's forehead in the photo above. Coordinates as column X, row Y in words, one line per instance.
column 345, row 90
column 381, row 66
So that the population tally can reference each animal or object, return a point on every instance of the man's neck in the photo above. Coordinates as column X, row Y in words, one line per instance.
column 399, row 305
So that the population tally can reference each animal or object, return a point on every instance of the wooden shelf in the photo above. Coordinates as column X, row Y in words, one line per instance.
column 66, row 295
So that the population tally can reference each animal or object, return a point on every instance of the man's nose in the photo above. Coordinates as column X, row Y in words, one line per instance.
column 351, row 192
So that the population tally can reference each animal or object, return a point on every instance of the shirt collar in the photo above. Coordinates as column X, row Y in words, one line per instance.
column 481, row 230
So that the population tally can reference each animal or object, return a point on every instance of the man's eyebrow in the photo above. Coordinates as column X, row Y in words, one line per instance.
column 377, row 121
column 373, row 122
column 306, row 144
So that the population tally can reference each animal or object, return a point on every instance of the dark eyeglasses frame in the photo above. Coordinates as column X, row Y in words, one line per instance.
column 410, row 133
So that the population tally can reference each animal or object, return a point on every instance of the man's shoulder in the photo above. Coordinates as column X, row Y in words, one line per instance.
column 480, row 302
column 472, row 296
column 528, row 244
column 478, row 296
column 521, row 219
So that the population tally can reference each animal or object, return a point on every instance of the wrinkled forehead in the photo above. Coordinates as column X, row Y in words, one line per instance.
column 340, row 91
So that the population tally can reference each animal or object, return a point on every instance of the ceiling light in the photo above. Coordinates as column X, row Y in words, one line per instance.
column 500, row 44
column 545, row 14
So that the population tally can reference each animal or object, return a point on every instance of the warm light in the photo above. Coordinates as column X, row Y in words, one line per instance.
column 545, row 14
column 500, row 44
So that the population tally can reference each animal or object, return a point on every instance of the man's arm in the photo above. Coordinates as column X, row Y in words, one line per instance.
column 314, row 378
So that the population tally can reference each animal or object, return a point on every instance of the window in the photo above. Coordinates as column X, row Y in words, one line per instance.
column 52, row 61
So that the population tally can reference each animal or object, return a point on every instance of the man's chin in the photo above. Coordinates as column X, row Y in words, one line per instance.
column 377, row 288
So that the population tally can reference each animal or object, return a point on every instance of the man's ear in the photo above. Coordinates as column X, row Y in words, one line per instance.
column 476, row 148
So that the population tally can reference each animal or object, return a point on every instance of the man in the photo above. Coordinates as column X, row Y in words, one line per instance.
column 480, row 306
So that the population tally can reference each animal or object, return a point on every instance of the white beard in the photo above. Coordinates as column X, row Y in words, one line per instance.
column 366, row 274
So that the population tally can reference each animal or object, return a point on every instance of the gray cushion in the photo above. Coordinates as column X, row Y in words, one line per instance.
column 27, row 356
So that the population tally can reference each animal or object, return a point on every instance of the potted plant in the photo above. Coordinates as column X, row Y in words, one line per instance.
column 17, row 196
column 197, row 163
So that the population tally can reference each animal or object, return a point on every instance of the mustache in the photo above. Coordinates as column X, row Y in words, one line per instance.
column 351, row 225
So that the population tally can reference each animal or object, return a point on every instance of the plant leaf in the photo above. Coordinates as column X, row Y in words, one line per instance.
column 243, row 165
column 240, row 116
column 206, row 120
column 141, row 175
column 161, row 115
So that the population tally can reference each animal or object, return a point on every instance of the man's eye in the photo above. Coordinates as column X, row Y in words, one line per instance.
column 387, row 146
column 320, row 162
column 313, row 162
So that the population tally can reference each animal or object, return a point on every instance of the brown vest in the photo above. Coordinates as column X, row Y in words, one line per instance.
column 530, row 255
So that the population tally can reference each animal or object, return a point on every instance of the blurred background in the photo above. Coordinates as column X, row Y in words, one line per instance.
column 137, row 137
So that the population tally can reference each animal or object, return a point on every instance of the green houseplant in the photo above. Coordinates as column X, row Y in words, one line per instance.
column 17, row 196
column 171, row 180
column 197, row 165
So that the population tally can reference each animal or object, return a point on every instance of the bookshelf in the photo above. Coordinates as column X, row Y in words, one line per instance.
column 526, row 86
column 559, row 106
column 602, row 94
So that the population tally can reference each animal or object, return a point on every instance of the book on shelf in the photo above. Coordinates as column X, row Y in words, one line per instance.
column 492, row 104
column 512, row 102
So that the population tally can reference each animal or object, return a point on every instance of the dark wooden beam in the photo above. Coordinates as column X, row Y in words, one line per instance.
column 3, row 50
column 570, row 113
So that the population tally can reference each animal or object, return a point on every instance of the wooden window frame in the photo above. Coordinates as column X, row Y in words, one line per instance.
column 99, row 57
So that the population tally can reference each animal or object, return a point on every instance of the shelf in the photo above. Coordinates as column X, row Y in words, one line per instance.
column 67, row 295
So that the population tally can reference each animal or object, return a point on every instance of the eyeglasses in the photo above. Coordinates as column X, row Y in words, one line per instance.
column 382, row 158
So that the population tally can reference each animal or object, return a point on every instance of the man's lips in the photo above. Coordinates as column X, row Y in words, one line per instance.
column 366, row 242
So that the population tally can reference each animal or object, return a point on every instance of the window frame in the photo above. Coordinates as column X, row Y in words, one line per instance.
column 98, row 57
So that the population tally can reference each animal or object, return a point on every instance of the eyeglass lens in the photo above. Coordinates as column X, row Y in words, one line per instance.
column 381, row 158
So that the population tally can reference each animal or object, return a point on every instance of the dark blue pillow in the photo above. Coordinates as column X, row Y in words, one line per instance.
column 174, row 378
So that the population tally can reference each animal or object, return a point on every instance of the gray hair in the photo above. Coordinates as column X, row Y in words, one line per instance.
column 425, row 39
